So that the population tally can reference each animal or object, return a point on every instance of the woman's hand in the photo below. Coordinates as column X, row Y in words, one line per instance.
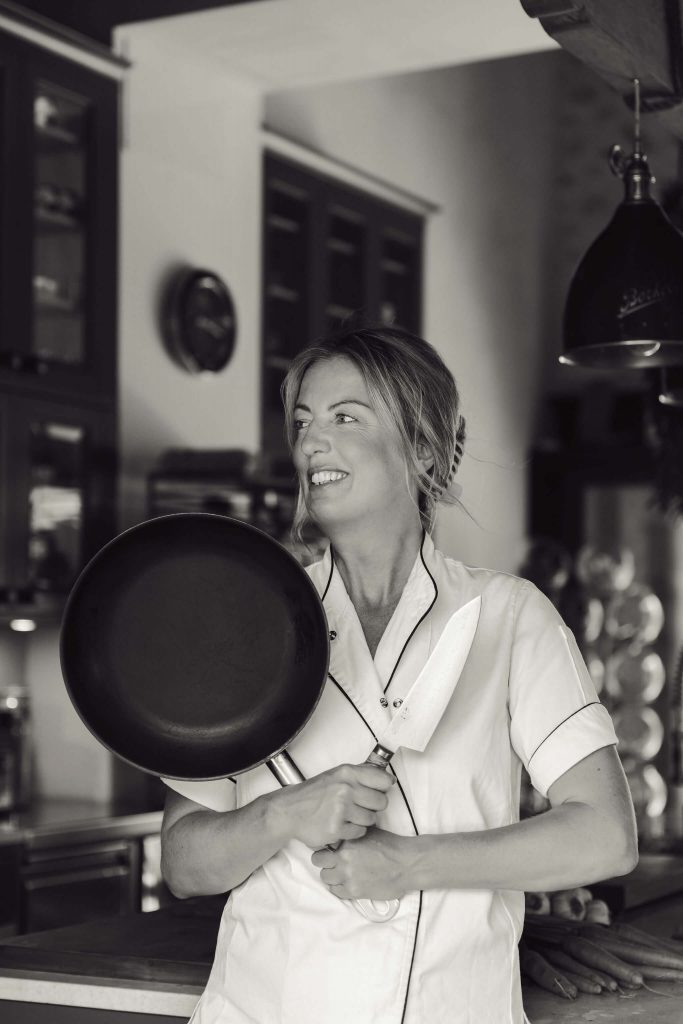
column 338, row 804
column 370, row 867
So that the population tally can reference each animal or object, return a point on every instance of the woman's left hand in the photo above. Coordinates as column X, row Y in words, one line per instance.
column 372, row 867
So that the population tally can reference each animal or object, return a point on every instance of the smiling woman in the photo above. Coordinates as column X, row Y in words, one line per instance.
column 377, row 436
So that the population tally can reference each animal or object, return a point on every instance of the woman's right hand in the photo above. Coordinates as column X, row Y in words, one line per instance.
column 338, row 804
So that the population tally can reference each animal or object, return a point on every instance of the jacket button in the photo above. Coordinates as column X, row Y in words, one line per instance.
column 384, row 702
column 397, row 703
column 333, row 634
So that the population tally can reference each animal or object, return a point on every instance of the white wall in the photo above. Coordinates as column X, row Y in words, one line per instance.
column 190, row 195
column 478, row 141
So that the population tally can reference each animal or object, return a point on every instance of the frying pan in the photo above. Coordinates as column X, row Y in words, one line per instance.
column 194, row 646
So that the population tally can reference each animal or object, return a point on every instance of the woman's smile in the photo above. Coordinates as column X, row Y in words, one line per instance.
column 325, row 477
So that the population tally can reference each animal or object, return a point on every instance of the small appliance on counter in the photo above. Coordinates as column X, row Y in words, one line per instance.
column 15, row 749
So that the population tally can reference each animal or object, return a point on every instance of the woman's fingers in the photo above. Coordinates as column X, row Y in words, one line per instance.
column 361, row 816
column 341, row 803
column 372, row 776
column 372, row 799
column 351, row 831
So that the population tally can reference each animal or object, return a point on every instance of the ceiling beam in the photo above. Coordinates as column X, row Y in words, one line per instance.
column 97, row 19
column 622, row 40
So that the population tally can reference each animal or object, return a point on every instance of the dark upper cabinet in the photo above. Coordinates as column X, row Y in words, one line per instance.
column 58, row 225
column 329, row 251
column 58, row 255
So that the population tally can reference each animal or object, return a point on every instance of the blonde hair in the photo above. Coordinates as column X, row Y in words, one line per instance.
column 411, row 388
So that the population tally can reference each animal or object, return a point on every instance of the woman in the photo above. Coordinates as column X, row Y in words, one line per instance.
column 376, row 437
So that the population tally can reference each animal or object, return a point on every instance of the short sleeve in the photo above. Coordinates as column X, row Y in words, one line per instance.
column 215, row 794
column 556, row 716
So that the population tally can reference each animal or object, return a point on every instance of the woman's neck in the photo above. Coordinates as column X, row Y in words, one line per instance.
column 375, row 569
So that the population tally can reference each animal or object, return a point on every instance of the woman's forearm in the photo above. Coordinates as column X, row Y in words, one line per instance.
column 206, row 852
column 209, row 852
column 569, row 845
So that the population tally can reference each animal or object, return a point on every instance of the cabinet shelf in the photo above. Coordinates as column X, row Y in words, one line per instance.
column 394, row 267
column 50, row 220
column 284, row 294
column 338, row 311
column 340, row 245
column 56, row 307
column 54, row 137
column 280, row 223
column 278, row 362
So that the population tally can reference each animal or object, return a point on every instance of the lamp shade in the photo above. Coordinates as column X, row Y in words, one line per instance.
column 624, row 308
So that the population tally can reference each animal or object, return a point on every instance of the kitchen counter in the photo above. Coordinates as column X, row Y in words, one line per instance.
column 147, row 965
column 154, row 966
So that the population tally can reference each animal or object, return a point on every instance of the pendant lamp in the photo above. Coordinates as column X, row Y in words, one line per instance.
column 624, row 308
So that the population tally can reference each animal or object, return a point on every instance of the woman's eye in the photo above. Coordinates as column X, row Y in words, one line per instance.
column 299, row 425
column 344, row 417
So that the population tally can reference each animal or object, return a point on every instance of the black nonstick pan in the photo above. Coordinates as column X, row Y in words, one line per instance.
column 194, row 646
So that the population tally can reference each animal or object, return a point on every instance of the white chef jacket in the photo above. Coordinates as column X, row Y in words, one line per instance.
column 288, row 951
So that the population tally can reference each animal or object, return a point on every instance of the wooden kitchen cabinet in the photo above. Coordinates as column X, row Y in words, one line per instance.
column 329, row 251
column 58, row 333
column 58, row 224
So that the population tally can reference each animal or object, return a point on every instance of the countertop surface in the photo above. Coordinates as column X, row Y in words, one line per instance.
column 159, row 963
column 145, row 963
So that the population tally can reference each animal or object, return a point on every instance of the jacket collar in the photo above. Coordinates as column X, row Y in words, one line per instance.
column 371, row 683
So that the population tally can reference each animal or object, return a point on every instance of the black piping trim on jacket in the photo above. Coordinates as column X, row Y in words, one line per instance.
column 412, row 818
column 329, row 578
column 412, row 959
column 422, row 617
column 590, row 702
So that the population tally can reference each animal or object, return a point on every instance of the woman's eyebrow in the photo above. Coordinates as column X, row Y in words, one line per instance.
column 350, row 401
column 343, row 401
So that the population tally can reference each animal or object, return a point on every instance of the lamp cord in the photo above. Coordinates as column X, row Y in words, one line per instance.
column 636, row 118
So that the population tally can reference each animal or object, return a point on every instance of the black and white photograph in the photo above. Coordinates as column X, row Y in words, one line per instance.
column 341, row 512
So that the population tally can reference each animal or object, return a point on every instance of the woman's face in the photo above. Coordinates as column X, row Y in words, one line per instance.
column 350, row 464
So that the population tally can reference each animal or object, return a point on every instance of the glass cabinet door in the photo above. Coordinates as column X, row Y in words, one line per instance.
column 60, row 204
column 58, row 197
column 287, row 227
column 346, row 244
column 56, row 492
column 400, row 269
column 330, row 251
column 59, row 506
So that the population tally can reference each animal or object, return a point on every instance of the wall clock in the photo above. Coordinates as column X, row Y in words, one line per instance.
column 199, row 322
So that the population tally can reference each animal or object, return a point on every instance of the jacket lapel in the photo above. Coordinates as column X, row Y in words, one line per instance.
column 373, row 685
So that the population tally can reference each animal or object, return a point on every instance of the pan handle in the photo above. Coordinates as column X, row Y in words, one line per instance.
column 287, row 774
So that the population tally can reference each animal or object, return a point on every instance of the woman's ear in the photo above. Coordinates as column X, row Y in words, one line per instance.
column 424, row 454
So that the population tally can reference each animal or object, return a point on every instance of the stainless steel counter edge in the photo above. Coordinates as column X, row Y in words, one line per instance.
column 116, row 826
column 87, row 829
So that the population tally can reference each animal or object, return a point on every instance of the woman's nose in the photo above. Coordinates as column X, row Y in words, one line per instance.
column 314, row 440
